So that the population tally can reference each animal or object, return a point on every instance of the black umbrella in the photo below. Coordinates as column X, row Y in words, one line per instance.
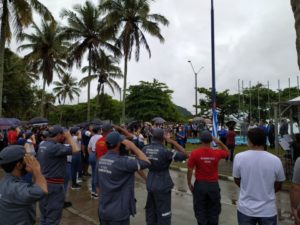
column 38, row 120
column 97, row 121
column 231, row 123
column 8, row 122
column 158, row 120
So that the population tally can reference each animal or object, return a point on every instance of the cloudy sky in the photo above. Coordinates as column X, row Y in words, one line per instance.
column 255, row 41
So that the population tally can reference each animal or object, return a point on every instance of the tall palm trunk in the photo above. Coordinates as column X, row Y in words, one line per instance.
column 4, row 19
column 98, row 101
column 124, row 88
column 89, row 87
column 61, row 112
column 43, row 99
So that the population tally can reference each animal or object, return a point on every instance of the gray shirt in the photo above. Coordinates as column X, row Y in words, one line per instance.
column 17, row 201
column 53, row 159
column 159, row 178
column 115, row 178
column 296, row 175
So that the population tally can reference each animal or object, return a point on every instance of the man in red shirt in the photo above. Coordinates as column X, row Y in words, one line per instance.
column 101, row 148
column 206, row 190
column 12, row 136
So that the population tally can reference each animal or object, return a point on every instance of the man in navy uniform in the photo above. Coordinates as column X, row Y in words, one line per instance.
column 159, row 182
column 115, row 181
column 52, row 155
column 17, row 197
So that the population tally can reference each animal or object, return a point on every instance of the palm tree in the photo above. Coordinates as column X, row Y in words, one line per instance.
column 17, row 14
column 296, row 9
column 106, row 71
column 48, row 52
column 132, row 18
column 90, row 34
column 67, row 87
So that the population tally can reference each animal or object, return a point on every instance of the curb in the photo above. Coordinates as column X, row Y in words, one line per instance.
column 285, row 186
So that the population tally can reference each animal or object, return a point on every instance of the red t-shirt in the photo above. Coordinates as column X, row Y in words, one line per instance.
column 101, row 148
column 230, row 138
column 12, row 137
column 206, row 161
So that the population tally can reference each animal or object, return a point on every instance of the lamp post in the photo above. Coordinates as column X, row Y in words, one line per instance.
column 196, row 93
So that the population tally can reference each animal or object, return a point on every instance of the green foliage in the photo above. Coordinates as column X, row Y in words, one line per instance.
column 258, row 99
column 148, row 100
column 131, row 19
column 184, row 113
column 109, row 109
column 17, row 91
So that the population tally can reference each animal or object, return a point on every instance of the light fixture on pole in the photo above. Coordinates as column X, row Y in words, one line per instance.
column 196, row 85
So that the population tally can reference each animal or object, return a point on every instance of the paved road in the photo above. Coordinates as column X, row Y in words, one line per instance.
column 84, row 210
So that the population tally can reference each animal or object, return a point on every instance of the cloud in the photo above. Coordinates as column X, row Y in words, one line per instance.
column 255, row 40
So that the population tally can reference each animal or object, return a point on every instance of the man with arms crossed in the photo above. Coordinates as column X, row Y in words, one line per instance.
column 259, row 174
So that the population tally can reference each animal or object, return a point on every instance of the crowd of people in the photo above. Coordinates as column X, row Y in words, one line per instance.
column 40, row 164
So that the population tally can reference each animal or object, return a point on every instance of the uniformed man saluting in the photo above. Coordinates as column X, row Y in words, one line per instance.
column 159, row 183
column 17, row 197
column 115, row 179
column 52, row 154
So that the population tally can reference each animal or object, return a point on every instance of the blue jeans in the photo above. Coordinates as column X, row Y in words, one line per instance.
column 92, row 161
column 75, row 166
column 68, row 176
column 248, row 220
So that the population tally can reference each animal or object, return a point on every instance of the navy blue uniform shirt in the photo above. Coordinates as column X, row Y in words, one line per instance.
column 53, row 159
column 115, row 178
column 159, row 178
column 17, row 201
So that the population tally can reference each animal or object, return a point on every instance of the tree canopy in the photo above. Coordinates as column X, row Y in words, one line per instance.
column 151, row 99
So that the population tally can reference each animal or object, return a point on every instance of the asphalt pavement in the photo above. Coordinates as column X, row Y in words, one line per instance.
column 84, row 209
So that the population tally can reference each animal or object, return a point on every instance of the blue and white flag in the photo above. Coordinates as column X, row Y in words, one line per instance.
column 214, row 123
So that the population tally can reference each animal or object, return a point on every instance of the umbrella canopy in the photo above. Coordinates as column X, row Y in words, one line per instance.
column 134, row 124
column 38, row 121
column 6, row 123
column 82, row 125
column 208, row 121
column 230, row 123
column 158, row 120
column 198, row 119
column 97, row 121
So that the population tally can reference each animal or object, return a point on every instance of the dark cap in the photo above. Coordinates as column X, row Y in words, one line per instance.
column 28, row 134
column 113, row 138
column 206, row 137
column 106, row 127
column 158, row 134
column 11, row 154
column 96, row 129
column 55, row 130
column 74, row 130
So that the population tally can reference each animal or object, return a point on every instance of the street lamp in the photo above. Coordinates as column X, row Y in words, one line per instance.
column 196, row 73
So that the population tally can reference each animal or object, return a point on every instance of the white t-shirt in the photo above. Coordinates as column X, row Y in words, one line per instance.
column 258, row 170
column 78, row 142
column 93, row 141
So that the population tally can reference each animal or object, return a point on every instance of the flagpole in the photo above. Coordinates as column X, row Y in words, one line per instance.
column 213, row 94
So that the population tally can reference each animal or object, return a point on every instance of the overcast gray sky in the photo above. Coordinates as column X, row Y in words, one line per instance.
column 255, row 41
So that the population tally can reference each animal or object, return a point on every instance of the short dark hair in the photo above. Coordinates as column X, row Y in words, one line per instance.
column 257, row 137
column 9, row 167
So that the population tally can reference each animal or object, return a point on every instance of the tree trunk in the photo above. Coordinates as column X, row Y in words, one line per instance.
column 98, row 101
column 43, row 99
column 89, row 88
column 4, row 21
column 124, row 89
column 61, row 113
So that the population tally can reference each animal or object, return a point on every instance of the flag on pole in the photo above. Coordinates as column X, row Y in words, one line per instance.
column 214, row 123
